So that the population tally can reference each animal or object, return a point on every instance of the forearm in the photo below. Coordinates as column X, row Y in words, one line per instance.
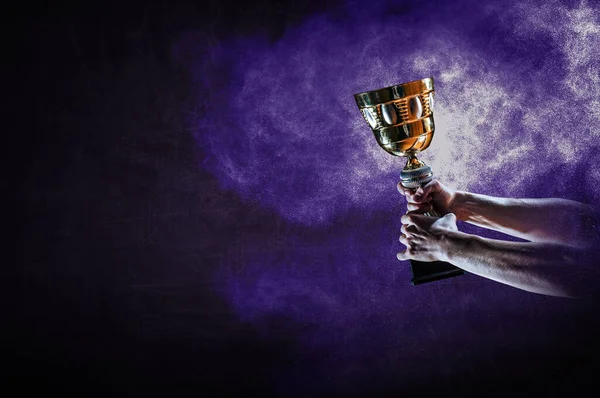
column 543, row 268
column 538, row 220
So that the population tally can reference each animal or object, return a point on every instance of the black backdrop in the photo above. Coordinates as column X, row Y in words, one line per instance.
column 100, row 131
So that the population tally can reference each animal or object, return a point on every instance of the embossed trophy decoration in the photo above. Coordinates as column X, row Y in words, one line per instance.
column 401, row 118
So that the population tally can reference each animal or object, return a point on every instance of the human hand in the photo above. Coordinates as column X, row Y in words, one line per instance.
column 434, row 195
column 426, row 237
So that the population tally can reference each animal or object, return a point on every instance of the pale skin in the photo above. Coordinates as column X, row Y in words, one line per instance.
column 555, row 260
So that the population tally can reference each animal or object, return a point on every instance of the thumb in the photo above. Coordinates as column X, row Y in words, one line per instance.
column 450, row 217
column 449, row 220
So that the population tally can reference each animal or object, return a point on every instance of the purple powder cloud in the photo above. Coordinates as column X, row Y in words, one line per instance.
column 282, row 128
column 517, row 110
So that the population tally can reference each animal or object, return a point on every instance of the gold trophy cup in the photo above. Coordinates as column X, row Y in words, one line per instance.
column 401, row 117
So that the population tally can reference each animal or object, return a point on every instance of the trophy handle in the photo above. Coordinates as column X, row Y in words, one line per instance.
column 414, row 175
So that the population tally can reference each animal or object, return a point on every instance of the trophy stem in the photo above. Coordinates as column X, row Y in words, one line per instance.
column 412, row 162
column 422, row 174
column 414, row 175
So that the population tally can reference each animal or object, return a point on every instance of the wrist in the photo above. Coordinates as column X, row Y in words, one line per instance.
column 456, row 246
column 457, row 205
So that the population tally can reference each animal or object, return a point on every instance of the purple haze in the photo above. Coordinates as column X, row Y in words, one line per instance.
column 517, row 110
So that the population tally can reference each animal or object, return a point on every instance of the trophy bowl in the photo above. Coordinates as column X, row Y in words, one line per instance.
column 401, row 118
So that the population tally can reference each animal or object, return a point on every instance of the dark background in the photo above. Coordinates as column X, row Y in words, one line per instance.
column 109, row 194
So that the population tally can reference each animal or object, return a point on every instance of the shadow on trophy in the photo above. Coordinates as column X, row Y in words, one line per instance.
column 401, row 118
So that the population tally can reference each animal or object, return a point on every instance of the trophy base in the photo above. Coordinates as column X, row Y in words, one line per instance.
column 423, row 272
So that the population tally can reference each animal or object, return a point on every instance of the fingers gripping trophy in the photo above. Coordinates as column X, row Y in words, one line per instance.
column 401, row 118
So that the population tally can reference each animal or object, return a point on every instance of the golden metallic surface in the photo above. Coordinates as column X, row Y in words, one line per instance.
column 399, row 91
column 413, row 163
column 400, row 116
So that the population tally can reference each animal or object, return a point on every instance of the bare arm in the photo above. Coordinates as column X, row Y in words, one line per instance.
column 538, row 220
column 545, row 268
